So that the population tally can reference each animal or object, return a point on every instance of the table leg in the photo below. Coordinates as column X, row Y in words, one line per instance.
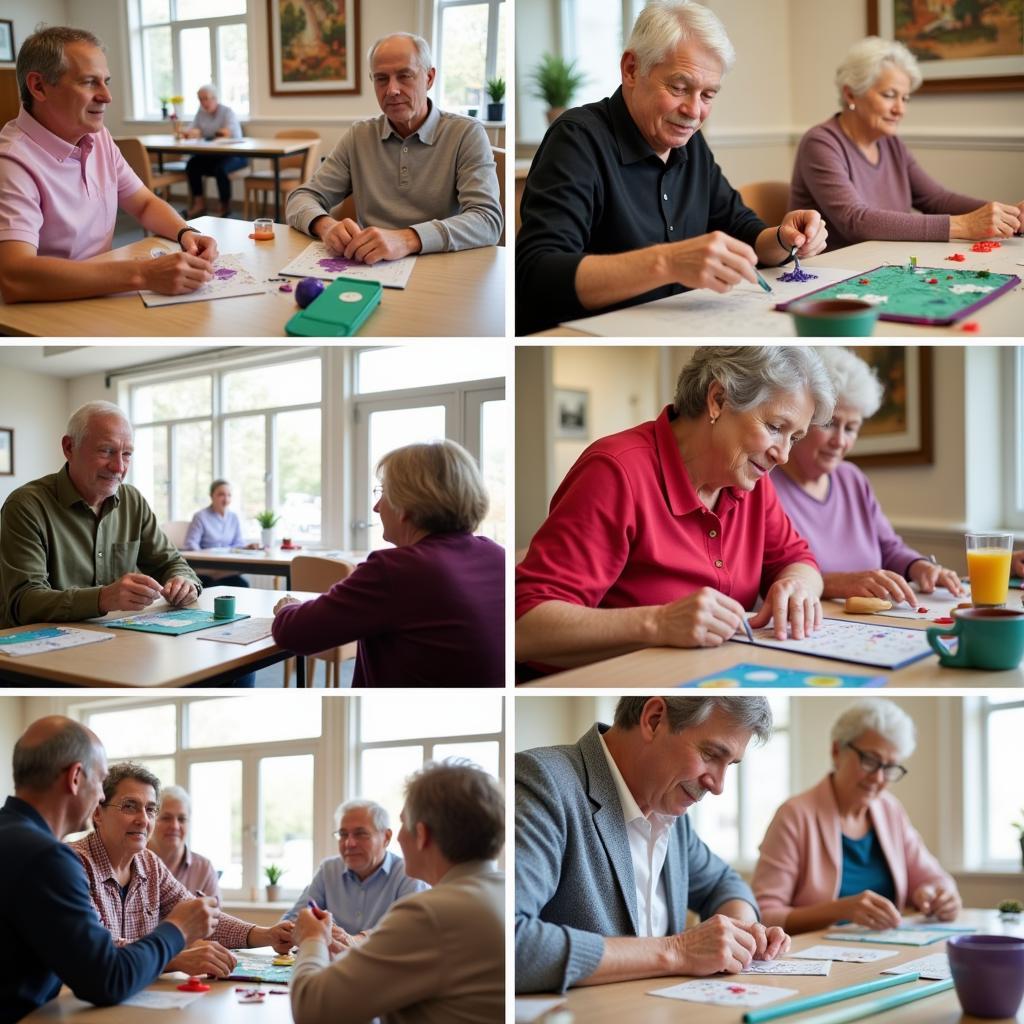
column 300, row 672
column 277, row 188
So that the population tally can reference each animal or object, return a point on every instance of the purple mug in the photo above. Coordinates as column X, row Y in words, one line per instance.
column 988, row 973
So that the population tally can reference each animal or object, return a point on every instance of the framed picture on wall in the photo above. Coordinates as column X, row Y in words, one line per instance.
column 572, row 414
column 6, row 40
column 314, row 47
column 961, row 45
column 900, row 433
column 6, row 451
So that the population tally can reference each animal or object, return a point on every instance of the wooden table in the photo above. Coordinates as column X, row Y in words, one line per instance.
column 272, row 149
column 151, row 659
column 1001, row 318
column 263, row 562
column 628, row 1001
column 450, row 294
column 670, row 666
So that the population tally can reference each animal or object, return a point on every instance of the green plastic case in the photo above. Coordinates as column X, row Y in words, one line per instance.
column 338, row 312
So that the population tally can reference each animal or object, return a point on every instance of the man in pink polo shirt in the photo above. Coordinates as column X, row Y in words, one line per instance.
column 62, row 179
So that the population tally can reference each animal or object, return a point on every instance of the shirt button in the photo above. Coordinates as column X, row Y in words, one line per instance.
column 712, row 533
column 665, row 196
column 405, row 149
column 718, row 563
column 100, row 554
column 671, row 228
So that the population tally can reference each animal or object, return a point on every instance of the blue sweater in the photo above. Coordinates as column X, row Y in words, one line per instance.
column 49, row 929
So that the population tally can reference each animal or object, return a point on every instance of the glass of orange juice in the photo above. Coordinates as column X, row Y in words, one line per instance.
column 988, row 565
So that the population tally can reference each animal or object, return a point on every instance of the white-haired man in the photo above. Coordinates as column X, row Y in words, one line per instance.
column 423, row 179
column 168, row 842
column 213, row 120
column 81, row 542
column 359, row 886
column 624, row 202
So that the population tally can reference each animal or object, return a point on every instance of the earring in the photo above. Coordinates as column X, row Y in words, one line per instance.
column 851, row 106
column 713, row 419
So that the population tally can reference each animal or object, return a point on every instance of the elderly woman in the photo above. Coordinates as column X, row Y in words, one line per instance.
column 831, row 502
column 216, row 526
column 168, row 842
column 430, row 610
column 864, row 180
column 845, row 849
column 666, row 533
column 213, row 120
column 133, row 890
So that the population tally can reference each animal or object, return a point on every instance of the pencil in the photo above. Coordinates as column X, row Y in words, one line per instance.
column 811, row 1002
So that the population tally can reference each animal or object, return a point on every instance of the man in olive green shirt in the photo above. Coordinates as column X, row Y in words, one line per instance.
column 81, row 542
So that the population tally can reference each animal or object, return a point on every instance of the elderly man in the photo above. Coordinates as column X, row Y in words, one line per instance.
column 132, row 889
column 62, row 179
column 81, row 542
column 170, row 831
column 609, row 904
column 423, row 179
column 437, row 956
column 213, row 120
column 358, row 887
column 624, row 202
column 50, row 934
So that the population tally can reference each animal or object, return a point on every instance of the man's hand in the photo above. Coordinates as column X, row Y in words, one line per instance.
column 705, row 618
column 177, row 273
column 340, row 940
column 313, row 925
column 880, row 583
column 336, row 234
column 131, row 593
column 935, row 901
column 285, row 601
column 993, row 220
column 768, row 942
column 717, row 944
column 202, row 246
column 927, row 575
column 869, row 909
column 716, row 261
column 204, row 958
column 279, row 936
column 371, row 245
column 789, row 600
column 178, row 592
column 195, row 919
column 806, row 230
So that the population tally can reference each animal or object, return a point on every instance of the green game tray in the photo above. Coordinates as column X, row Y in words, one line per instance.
column 191, row 621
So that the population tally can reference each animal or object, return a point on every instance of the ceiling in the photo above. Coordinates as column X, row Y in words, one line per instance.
column 79, row 360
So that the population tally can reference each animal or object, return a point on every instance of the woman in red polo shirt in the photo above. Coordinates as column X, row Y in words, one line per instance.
column 664, row 534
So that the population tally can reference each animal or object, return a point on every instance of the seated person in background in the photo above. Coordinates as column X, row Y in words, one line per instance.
column 607, row 861
column 664, row 534
column 855, row 169
column 50, row 933
column 437, row 957
column 81, row 542
column 213, row 120
column 358, row 887
column 1017, row 565
column 133, row 890
column 216, row 526
column 62, row 180
column 625, row 203
column 170, row 831
column 845, row 849
column 832, row 505
column 423, row 180
column 430, row 610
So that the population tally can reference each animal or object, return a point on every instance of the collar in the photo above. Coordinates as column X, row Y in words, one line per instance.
column 466, row 869
column 104, row 871
column 384, row 867
column 15, row 805
column 630, row 808
column 426, row 133
column 633, row 147
column 54, row 145
column 68, row 496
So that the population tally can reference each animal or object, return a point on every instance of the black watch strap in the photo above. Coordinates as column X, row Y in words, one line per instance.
column 187, row 227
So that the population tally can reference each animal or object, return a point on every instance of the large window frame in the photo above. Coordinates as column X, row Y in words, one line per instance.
column 986, row 711
column 1013, row 376
column 491, row 58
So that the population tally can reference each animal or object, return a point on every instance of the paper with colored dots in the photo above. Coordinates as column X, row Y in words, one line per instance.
column 231, row 278
column 724, row 993
column 316, row 261
column 772, row 677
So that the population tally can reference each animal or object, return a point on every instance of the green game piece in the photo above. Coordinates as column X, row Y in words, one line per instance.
column 984, row 273
column 913, row 262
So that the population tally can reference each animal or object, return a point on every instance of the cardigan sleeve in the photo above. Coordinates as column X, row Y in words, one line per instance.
column 779, row 866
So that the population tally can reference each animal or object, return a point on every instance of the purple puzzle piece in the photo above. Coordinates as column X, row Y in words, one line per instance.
column 336, row 264
column 224, row 274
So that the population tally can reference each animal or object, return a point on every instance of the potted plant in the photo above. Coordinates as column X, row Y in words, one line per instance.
column 496, row 94
column 267, row 520
column 1010, row 910
column 1019, row 826
column 556, row 80
column 273, row 873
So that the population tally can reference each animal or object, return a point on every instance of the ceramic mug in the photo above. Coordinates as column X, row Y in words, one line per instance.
column 988, row 973
column 833, row 318
column 224, row 607
column 990, row 638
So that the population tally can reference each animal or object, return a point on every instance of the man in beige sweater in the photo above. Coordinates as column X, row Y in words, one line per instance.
column 437, row 957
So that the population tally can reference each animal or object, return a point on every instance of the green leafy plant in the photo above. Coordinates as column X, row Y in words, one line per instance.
column 1011, row 907
column 267, row 520
column 556, row 80
column 1019, row 825
column 496, row 89
column 273, row 873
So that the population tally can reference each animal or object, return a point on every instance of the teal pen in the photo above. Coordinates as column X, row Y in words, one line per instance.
column 812, row 1002
column 765, row 286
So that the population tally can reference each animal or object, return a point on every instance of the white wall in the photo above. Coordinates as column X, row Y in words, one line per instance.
column 12, row 725
column 27, row 14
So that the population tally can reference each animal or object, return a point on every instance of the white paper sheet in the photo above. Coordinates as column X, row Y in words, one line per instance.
column 741, row 312
column 934, row 967
column 816, row 968
column 316, row 261
column 938, row 605
column 724, row 993
column 891, row 936
column 843, row 953
column 162, row 1000
column 63, row 639
column 231, row 279
column 529, row 1009
column 245, row 631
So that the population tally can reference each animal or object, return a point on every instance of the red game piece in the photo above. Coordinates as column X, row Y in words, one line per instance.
column 194, row 985
column 971, row 327
column 933, row 280
column 957, row 257
column 922, row 611
column 864, row 280
column 985, row 246
column 944, row 621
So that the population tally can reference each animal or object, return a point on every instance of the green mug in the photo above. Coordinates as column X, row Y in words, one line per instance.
column 833, row 318
column 224, row 607
column 990, row 638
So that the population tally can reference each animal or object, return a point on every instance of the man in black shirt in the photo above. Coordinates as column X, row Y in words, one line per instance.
column 624, row 202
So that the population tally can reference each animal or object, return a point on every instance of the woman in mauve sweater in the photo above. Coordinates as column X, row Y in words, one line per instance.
column 866, row 184
column 430, row 610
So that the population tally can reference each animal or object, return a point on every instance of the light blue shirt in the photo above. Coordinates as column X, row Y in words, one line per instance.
column 209, row 529
column 357, row 905
column 223, row 117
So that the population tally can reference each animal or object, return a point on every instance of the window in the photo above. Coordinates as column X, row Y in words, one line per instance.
column 1002, row 724
column 1013, row 374
column 470, row 51
column 177, row 46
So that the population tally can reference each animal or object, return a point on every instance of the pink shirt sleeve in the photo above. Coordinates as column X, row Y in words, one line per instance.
column 21, row 214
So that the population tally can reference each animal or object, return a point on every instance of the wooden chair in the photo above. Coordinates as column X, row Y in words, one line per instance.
column 175, row 530
column 137, row 158
column 317, row 575
column 294, row 171
column 768, row 199
column 499, row 167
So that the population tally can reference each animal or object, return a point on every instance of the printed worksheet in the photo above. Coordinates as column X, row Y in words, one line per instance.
column 246, row 631
column 852, row 956
column 231, row 278
column 929, row 607
column 52, row 638
column 316, row 261
column 934, row 967
column 724, row 993
column 891, row 936
column 817, row 968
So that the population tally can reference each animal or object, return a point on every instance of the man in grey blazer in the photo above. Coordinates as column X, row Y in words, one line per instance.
column 607, row 862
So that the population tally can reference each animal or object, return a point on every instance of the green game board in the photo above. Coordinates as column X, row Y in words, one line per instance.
column 253, row 967
column 171, row 623
column 905, row 295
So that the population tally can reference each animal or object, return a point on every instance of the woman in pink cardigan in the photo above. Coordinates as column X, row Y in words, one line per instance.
column 845, row 849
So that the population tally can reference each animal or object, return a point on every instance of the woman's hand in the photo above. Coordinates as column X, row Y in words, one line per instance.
column 881, row 583
column 935, row 901
column 927, row 575
column 285, row 601
column 868, row 909
column 705, row 618
column 790, row 601
column 993, row 220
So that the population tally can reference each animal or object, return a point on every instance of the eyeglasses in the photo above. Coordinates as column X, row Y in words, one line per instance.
column 129, row 807
column 870, row 764
column 378, row 491
column 360, row 835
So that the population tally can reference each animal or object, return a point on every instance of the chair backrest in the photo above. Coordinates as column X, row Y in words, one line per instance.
column 307, row 160
column 317, row 575
column 768, row 199
column 175, row 530
column 499, row 167
column 137, row 158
